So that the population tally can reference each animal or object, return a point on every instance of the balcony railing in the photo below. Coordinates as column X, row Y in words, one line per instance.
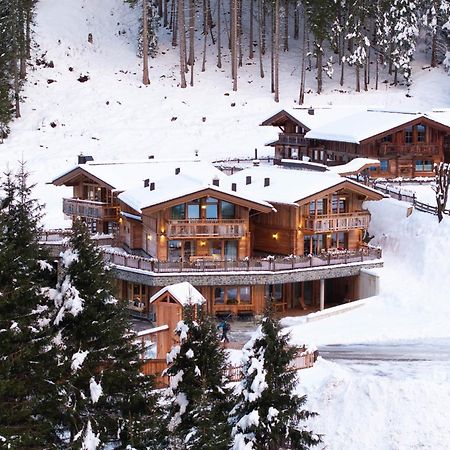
column 291, row 139
column 409, row 149
column 338, row 222
column 90, row 209
column 267, row 264
column 231, row 228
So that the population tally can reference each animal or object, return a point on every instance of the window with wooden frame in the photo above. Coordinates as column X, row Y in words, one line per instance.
column 232, row 295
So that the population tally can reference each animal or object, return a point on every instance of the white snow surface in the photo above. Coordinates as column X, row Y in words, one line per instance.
column 354, row 166
column 184, row 293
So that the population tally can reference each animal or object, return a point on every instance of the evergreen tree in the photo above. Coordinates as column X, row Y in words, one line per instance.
column 268, row 413
column 5, row 110
column 103, row 397
column 25, row 354
column 199, row 399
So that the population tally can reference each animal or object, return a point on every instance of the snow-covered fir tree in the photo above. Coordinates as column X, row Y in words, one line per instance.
column 103, row 397
column 26, row 358
column 269, row 413
column 198, row 396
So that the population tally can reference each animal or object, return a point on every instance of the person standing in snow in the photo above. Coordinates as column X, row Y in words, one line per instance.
column 225, row 327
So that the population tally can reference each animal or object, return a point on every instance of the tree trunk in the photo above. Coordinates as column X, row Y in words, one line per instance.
column 377, row 71
column 234, row 55
column 358, row 85
column 296, row 21
column 160, row 8
column 28, row 32
column 286, row 25
column 433, row 50
column 239, row 31
column 250, row 47
column 166, row 13
column 145, row 78
column 16, row 86
column 263, row 27
column 319, row 67
column 182, row 31
column 277, row 51
column 272, row 51
column 219, row 35
column 205, row 33
column 191, row 60
column 260, row 19
column 301, row 96
column 174, row 22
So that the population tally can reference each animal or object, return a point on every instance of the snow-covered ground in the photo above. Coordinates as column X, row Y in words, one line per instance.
column 113, row 116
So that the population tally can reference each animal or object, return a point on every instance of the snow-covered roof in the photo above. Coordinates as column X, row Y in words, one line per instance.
column 288, row 186
column 364, row 124
column 121, row 175
column 184, row 293
column 354, row 166
column 440, row 115
column 322, row 114
column 176, row 186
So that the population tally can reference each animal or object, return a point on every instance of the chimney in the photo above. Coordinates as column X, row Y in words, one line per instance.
column 146, row 182
column 248, row 179
column 311, row 111
column 82, row 159
column 177, row 171
column 152, row 186
column 216, row 181
column 151, row 157
column 233, row 187
column 266, row 182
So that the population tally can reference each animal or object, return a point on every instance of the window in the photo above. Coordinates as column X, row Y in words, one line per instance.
column 387, row 138
column 177, row 212
column 318, row 243
column 231, row 250
column 232, row 295
column 312, row 208
column 338, row 204
column 420, row 133
column 174, row 251
column 274, row 291
column 215, row 249
column 228, row 210
column 219, row 295
column 321, row 206
column 408, row 135
column 212, row 208
column 424, row 165
column 194, row 210
column 384, row 165
column 245, row 294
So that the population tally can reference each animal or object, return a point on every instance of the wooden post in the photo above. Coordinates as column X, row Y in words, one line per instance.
column 322, row 295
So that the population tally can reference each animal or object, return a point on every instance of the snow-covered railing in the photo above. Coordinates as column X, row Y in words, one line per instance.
column 269, row 263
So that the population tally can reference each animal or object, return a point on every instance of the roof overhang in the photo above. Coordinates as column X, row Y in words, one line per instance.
column 69, row 178
column 280, row 117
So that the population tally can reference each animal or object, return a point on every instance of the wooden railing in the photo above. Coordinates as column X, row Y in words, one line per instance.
column 90, row 209
column 338, row 222
column 268, row 264
column 409, row 149
column 156, row 367
column 291, row 139
column 227, row 228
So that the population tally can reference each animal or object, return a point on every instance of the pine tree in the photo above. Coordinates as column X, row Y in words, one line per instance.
column 103, row 397
column 5, row 110
column 199, row 399
column 268, row 413
column 25, row 354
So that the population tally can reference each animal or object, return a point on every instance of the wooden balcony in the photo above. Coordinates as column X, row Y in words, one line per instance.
column 291, row 139
column 389, row 149
column 90, row 209
column 209, row 228
column 338, row 222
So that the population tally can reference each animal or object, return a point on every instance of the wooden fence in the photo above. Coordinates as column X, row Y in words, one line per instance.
column 156, row 367
column 399, row 195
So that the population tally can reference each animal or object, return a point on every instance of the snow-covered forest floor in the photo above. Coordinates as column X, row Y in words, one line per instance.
column 113, row 116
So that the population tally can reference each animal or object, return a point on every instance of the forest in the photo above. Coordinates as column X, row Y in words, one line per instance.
column 366, row 42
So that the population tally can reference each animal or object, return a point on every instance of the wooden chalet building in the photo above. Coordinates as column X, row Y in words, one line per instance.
column 406, row 144
column 294, row 236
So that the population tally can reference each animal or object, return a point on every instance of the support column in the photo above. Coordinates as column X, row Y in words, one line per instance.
column 322, row 295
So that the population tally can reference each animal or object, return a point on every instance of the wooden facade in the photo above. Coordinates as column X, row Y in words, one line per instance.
column 409, row 150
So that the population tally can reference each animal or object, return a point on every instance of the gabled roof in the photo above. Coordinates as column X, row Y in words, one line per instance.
column 280, row 117
column 184, row 293
column 119, row 175
column 370, row 124
column 178, row 188
column 295, row 187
